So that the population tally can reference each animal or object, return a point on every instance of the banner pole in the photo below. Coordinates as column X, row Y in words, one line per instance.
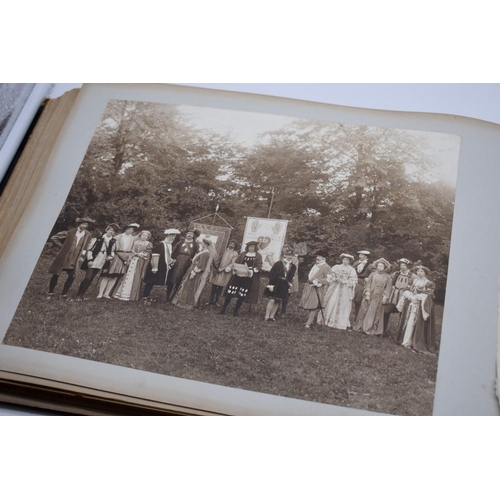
column 215, row 214
column 271, row 204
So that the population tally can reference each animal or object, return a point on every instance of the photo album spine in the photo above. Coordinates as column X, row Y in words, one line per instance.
column 25, row 175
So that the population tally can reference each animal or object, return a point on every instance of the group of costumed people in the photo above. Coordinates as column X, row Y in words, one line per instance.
column 130, row 266
column 370, row 293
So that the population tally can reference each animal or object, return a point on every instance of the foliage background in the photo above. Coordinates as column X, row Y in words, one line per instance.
column 343, row 187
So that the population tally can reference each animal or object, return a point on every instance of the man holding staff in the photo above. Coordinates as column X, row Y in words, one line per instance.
column 72, row 247
column 313, row 296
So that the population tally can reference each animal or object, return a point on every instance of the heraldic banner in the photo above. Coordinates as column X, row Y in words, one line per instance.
column 218, row 235
column 270, row 234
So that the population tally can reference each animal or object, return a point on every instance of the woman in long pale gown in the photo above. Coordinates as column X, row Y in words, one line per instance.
column 376, row 292
column 340, row 294
column 188, row 295
column 130, row 286
column 417, row 326
column 118, row 266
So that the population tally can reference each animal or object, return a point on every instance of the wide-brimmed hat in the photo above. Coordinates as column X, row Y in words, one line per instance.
column 425, row 269
column 254, row 243
column 172, row 231
column 363, row 252
column 321, row 253
column 386, row 263
column 134, row 225
column 88, row 220
column 346, row 255
column 114, row 227
column 404, row 261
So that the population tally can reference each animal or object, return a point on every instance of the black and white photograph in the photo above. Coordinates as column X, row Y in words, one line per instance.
column 287, row 256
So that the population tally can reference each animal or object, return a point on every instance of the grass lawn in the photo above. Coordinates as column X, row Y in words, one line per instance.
column 322, row 364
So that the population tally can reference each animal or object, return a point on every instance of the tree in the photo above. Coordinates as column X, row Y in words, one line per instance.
column 343, row 187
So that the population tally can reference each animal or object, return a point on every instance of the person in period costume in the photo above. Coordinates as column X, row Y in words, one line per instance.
column 72, row 246
column 244, row 284
column 401, row 281
column 417, row 324
column 130, row 286
column 363, row 269
column 188, row 295
column 295, row 282
column 183, row 253
column 376, row 293
column 280, row 281
column 100, row 253
column 118, row 266
column 160, row 264
column 222, row 272
column 313, row 295
column 338, row 298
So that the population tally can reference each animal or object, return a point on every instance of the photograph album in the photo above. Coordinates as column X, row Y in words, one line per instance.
column 176, row 250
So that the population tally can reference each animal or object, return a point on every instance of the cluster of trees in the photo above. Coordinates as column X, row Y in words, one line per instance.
column 343, row 187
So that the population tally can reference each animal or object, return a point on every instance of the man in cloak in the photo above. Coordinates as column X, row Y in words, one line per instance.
column 72, row 245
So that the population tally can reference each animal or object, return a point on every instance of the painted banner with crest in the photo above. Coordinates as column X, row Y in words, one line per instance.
column 270, row 235
column 218, row 235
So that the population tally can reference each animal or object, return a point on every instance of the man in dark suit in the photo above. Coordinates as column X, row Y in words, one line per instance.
column 72, row 245
column 160, row 264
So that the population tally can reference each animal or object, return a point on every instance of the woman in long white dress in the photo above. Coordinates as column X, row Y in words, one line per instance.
column 118, row 266
column 417, row 325
column 338, row 298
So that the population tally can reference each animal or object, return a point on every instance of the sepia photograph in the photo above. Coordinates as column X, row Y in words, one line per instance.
column 281, row 255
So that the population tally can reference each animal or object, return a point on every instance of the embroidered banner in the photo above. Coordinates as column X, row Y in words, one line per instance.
column 270, row 234
column 218, row 235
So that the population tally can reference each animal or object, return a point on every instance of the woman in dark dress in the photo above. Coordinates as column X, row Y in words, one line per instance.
column 377, row 291
column 417, row 326
column 244, row 285
column 280, row 281
column 193, row 283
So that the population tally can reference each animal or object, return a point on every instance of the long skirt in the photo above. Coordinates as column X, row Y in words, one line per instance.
column 414, row 331
column 370, row 318
column 130, row 285
column 338, row 304
column 188, row 295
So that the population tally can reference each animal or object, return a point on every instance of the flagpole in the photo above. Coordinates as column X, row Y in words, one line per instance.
column 215, row 214
column 271, row 204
